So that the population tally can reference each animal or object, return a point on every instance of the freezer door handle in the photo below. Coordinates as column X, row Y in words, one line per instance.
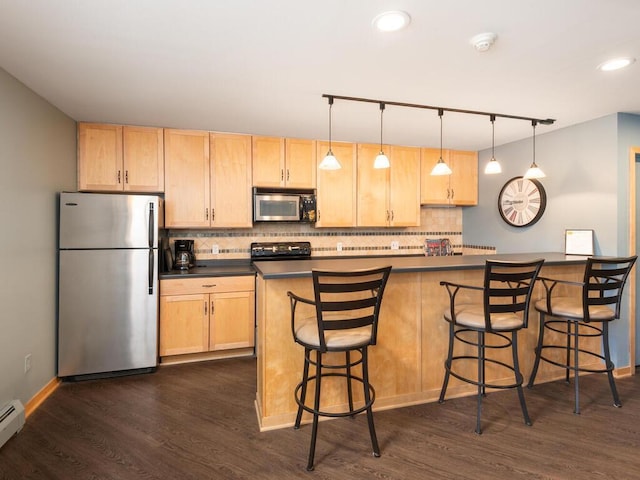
column 151, row 224
column 151, row 270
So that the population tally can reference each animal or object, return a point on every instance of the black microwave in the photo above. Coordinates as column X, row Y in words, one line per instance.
column 284, row 205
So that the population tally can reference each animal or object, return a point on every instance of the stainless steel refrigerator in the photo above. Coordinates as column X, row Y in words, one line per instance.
column 108, row 284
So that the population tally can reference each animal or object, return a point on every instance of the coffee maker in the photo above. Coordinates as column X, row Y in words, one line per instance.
column 185, row 257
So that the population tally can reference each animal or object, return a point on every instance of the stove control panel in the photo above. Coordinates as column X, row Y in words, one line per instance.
column 273, row 250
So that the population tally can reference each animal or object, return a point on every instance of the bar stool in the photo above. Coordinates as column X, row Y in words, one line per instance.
column 347, row 306
column 596, row 300
column 503, row 309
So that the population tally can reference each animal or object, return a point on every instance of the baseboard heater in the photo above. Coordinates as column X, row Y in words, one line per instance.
column 11, row 420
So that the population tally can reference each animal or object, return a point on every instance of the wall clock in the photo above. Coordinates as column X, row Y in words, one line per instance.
column 521, row 201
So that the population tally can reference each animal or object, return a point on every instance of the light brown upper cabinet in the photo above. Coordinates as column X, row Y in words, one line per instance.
column 280, row 162
column 207, row 179
column 336, row 193
column 187, row 187
column 459, row 188
column 231, row 180
column 115, row 158
column 389, row 197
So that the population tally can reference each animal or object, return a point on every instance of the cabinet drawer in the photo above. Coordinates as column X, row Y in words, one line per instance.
column 180, row 286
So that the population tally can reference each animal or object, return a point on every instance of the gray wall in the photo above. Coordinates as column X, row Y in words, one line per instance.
column 581, row 164
column 587, row 168
column 37, row 159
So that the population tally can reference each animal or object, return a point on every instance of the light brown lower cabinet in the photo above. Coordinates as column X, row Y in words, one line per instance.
column 206, row 314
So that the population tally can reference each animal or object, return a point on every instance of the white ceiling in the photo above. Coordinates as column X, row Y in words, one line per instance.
column 261, row 66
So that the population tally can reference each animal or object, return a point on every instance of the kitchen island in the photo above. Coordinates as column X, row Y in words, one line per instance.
column 406, row 365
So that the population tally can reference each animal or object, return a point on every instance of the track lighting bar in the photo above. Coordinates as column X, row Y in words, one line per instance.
column 542, row 121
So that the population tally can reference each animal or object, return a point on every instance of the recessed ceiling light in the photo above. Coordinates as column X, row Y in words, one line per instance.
column 391, row 21
column 616, row 64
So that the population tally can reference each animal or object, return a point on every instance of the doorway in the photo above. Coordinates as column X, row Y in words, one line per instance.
column 634, row 247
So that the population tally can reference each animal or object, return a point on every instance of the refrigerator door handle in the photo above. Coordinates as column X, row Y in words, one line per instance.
column 151, row 224
column 151, row 272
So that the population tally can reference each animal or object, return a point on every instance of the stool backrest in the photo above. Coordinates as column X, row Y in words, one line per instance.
column 349, row 299
column 508, row 287
column 604, row 281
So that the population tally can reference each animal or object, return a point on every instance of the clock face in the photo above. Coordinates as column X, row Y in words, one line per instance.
column 522, row 202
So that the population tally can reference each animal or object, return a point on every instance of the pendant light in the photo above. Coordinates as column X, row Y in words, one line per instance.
column 441, row 168
column 381, row 160
column 330, row 162
column 493, row 166
column 534, row 171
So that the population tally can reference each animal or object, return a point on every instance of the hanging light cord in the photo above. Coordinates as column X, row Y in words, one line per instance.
column 440, row 113
column 381, row 112
column 533, row 124
column 493, row 137
column 330, row 107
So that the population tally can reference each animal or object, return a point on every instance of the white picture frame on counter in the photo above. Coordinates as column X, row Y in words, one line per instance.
column 578, row 242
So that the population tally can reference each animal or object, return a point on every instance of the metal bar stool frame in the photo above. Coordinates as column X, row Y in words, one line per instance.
column 504, row 309
column 330, row 331
column 600, row 301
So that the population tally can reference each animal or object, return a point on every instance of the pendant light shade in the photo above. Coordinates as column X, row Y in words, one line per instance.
column 330, row 162
column 381, row 161
column 493, row 167
column 441, row 168
column 534, row 171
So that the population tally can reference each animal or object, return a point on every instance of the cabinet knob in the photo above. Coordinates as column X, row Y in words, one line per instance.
column 210, row 285
column 118, row 177
column 392, row 215
column 206, row 306
column 287, row 174
column 281, row 175
column 206, row 214
column 126, row 177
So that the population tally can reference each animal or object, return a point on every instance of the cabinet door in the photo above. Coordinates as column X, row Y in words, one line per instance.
column 404, row 186
column 232, row 320
column 434, row 188
column 268, row 162
column 300, row 163
column 464, row 180
column 143, row 149
column 336, row 195
column 372, row 189
column 186, row 178
column 100, row 157
column 231, row 180
column 184, row 324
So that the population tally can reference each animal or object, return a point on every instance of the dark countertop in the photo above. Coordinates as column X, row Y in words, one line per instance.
column 403, row 264
column 213, row 268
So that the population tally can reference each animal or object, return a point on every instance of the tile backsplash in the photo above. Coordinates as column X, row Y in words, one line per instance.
column 235, row 243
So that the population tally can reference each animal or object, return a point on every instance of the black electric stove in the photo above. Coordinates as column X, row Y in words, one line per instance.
column 280, row 250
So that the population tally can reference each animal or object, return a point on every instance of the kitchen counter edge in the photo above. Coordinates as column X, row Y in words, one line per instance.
column 404, row 264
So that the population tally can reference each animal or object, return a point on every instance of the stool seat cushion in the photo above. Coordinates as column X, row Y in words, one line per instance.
column 306, row 330
column 471, row 315
column 571, row 307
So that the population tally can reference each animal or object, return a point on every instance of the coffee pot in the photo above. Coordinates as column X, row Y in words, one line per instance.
column 182, row 261
column 184, row 255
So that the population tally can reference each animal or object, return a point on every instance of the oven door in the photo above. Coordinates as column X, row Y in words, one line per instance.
column 274, row 207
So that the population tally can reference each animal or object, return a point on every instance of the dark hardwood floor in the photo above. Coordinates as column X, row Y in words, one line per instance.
column 197, row 421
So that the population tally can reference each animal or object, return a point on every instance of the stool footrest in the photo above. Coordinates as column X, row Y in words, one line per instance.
column 518, row 375
column 574, row 367
column 347, row 413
